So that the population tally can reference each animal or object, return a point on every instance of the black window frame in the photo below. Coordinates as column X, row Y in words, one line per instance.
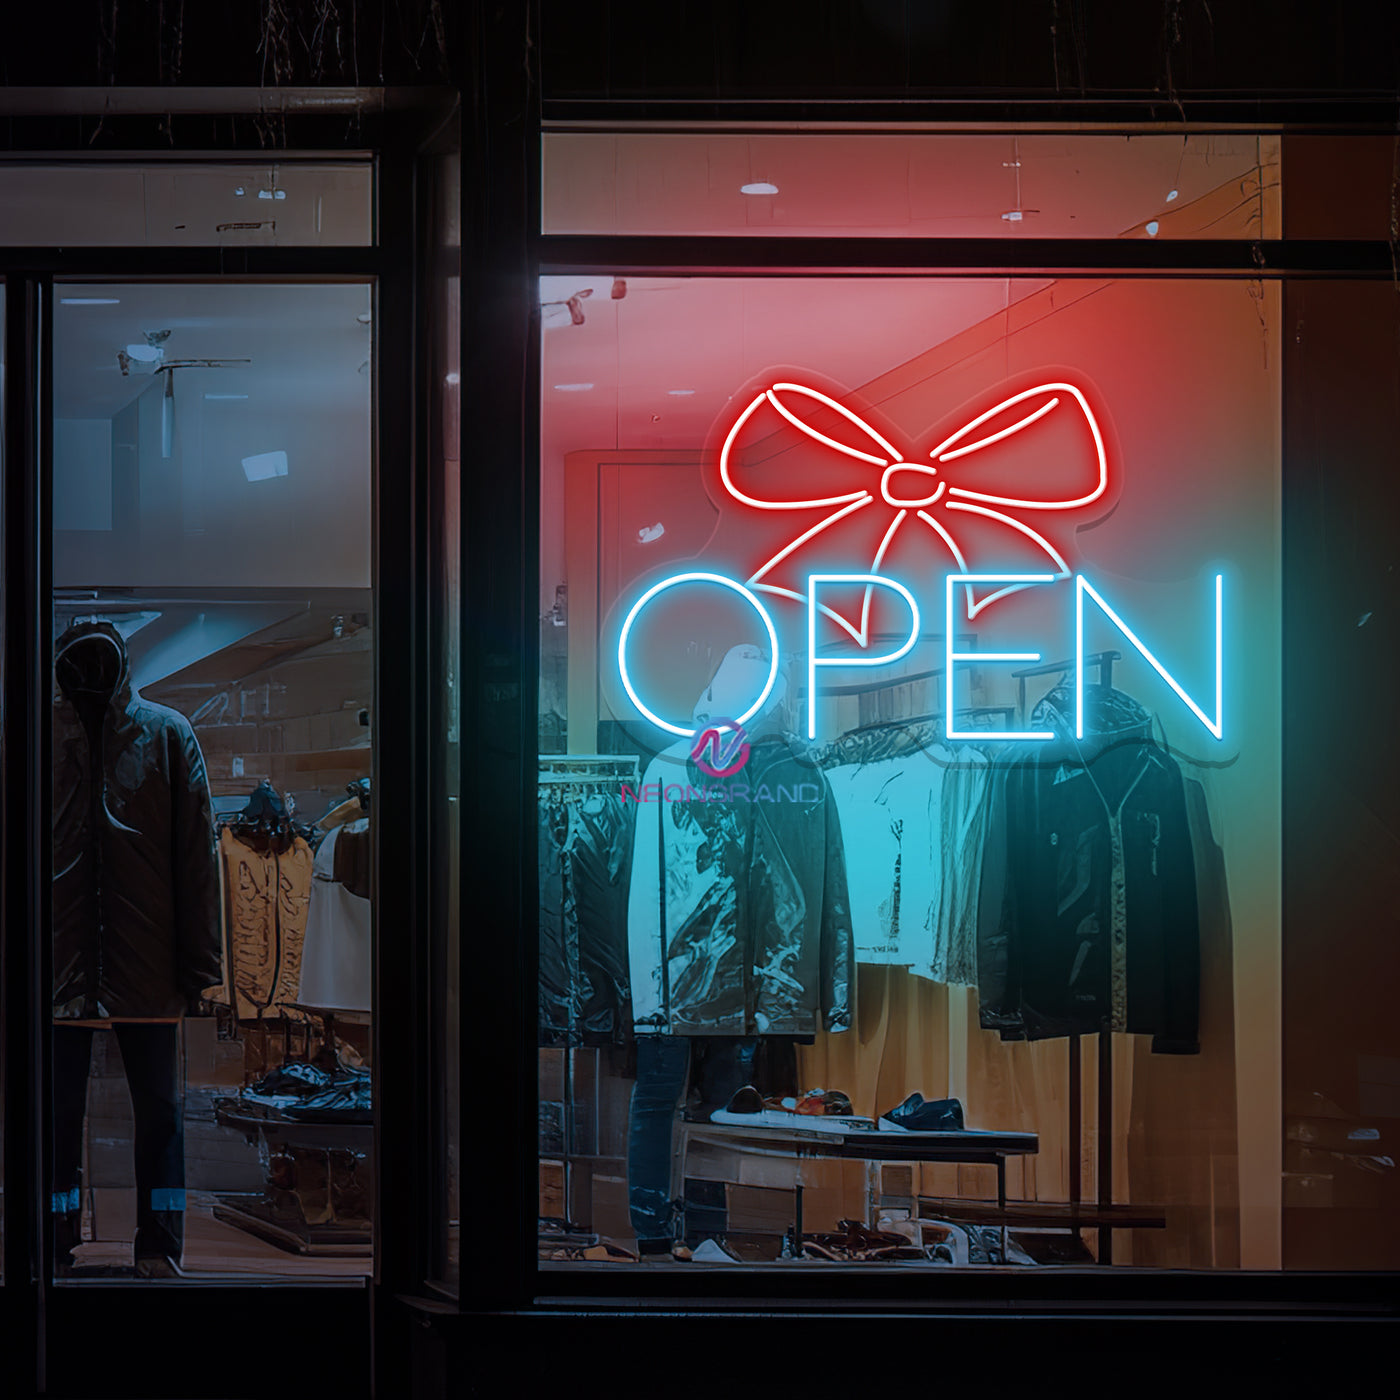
column 506, row 894
column 46, row 1327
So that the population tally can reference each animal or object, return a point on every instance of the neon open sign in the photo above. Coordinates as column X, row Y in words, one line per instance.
column 1214, row 722
column 924, row 495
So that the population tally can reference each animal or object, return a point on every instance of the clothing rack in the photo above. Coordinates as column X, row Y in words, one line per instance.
column 1103, row 660
column 566, row 778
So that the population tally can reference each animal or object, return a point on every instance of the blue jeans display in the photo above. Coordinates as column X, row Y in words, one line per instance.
column 722, row 1064
column 150, row 1058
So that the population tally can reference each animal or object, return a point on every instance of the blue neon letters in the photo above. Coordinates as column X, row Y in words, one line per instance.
column 1214, row 725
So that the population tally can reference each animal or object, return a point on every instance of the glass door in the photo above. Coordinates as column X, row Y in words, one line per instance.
column 212, row 745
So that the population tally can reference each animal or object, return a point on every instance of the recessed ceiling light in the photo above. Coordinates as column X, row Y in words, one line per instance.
column 572, row 388
column 272, row 194
column 681, row 393
column 1152, row 228
column 89, row 301
column 1013, row 216
column 146, row 354
column 759, row 187
column 263, row 466
column 239, row 191
column 1172, row 194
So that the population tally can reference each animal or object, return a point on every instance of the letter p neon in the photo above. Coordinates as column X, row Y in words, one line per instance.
column 813, row 660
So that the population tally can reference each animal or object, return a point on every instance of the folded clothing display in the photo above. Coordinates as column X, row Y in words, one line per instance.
column 308, row 1093
column 778, row 1118
column 817, row 1110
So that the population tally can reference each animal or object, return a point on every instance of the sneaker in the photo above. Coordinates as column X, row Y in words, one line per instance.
column 918, row 1115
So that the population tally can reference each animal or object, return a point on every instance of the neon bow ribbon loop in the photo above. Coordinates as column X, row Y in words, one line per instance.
column 948, row 493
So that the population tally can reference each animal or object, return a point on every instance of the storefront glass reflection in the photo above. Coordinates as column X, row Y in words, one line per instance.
column 213, row 688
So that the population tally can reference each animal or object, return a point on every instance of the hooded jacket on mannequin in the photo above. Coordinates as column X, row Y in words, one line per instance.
column 745, row 893
column 135, row 882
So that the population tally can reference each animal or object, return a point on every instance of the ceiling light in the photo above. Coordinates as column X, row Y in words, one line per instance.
column 1152, row 228
column 759, row 187
column 225, row 396
column 263, row 466
column 1013, row 216
column 145, row 354
column 239, row 191
column 272, row 194
column 452, row 377
column 89, row 301
column 680, row 393
column 572, row 388
column 1172, row 194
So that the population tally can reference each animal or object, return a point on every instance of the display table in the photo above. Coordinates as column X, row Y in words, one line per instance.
column 279, row 1216
column 868, row 1145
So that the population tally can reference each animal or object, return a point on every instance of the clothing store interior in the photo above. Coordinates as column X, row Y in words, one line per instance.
column 914, row 925
column 213, row 726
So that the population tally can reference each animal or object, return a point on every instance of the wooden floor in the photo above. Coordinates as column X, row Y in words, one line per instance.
column 216, row 1250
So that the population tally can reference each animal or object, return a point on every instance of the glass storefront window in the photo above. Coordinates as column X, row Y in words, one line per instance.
column 171, row 204
column 878, row 183
column 213, row 670
column 910, row 766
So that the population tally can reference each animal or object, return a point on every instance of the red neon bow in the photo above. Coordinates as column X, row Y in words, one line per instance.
column 913, row 492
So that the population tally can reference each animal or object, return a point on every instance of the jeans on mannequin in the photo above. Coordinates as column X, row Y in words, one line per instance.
column 725, row 1064
column 150, row 1057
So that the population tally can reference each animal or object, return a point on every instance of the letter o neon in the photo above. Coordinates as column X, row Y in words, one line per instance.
column 661, row 587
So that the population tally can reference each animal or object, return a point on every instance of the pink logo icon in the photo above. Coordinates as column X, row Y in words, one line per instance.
column 721, row 749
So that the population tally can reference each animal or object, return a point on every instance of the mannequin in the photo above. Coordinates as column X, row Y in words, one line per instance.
column 135, row 923
column 738, row 925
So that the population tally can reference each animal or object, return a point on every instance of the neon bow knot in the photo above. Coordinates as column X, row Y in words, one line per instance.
column 923, row 494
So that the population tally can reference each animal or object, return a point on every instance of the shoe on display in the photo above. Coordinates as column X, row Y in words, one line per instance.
column 919, row 1115
column 713, row 1252
column 819, row 1102
column 746, row 1100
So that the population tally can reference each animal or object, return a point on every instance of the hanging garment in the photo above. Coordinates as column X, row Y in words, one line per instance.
column 585, row 852
column 267, row 892
column 135, row 883
column 1088, row 902
column 739, row 915
column 948, row 949
column 337, row 960
column 918, row 818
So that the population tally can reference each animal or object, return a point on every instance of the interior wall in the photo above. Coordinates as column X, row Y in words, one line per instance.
column 1341, row 976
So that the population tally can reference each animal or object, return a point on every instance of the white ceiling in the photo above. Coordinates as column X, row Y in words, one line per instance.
column 193, row 517
column 712, row 335
column 927, row 185
column 304, row 342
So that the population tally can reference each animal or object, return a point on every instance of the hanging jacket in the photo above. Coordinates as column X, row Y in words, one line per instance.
column 1088, row 914
column 585, row 849
column 739, row 918
column 916, row 804
column 267, row 888
column 135, row 883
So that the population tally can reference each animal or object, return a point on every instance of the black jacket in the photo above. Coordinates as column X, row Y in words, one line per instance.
column 1088, row 912
column 585, row 850
column 135, row 884
column 742, row 880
